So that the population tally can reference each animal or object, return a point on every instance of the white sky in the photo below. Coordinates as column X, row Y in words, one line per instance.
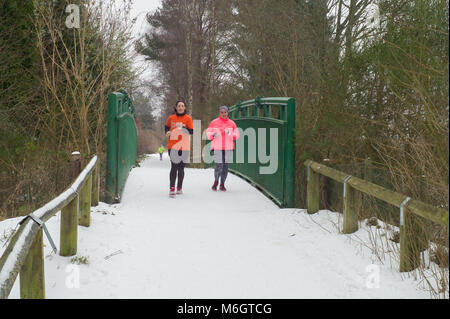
column 140, row 9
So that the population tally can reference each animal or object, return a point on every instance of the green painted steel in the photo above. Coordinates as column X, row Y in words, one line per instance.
column 121, row 144
column 251, row 117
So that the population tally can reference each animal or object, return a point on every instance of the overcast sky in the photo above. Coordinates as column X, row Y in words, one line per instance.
column 140, row 9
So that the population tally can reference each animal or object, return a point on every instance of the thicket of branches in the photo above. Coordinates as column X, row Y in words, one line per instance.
column 54, row 83
column 370, row 78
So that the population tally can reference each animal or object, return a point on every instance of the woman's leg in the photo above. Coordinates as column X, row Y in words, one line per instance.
column 218, row 160
column 173, row 170
column 184, row 159
column 180, row 175
column 218, row 168
column 224, row 173
column 227, row 158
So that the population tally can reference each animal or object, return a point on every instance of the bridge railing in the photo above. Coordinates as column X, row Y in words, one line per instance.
column 411, row 236
column 268, row 122
column 25, row 253
column 121, row 144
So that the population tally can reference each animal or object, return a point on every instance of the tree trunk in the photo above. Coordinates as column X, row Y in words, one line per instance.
column 188, row 45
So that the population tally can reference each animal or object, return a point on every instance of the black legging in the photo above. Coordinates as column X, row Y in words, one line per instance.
column 221, row 159
column 177, row 167
column 221, row 172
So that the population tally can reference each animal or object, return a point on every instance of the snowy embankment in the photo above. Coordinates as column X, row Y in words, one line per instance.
column 205, row 244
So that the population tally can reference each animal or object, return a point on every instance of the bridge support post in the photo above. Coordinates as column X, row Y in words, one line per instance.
column 111, row 190
column 32, row 280
column 290, row 155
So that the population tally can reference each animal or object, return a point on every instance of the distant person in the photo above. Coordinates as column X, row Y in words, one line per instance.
column 179, row 127
column 222, row 132
column 161, row 151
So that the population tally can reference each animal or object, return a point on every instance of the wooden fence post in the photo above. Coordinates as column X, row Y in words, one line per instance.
column 96, row 185
column 313, row 191
column 69, row 214
column 69, row 228
column 409, row 247
column 32, row 280
column 75, row 165
column 350, row 210
column 85, row 203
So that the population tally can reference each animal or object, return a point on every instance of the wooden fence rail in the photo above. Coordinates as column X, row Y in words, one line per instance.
column 409, row 254
column 25, row 253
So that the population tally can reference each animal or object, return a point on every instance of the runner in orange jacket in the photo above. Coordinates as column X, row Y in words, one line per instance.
column 179, row 127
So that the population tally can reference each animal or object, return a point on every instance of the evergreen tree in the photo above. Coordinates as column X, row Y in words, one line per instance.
column 18, row 67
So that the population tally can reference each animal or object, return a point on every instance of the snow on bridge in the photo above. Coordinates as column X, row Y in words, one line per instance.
column 205, row 244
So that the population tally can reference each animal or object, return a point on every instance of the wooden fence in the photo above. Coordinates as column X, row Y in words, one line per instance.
column 409, row 209
column 25, row 252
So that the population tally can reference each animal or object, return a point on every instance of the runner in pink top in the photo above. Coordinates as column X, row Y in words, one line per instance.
column 222, row 132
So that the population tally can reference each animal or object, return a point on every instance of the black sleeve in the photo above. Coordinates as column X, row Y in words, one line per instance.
column 166, row 129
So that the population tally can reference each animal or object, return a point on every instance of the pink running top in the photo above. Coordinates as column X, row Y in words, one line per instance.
column 226, row 132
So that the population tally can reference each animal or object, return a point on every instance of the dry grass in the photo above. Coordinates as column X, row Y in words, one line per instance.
column 381, row 235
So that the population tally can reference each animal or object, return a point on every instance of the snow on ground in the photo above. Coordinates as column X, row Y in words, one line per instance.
column 205, row 244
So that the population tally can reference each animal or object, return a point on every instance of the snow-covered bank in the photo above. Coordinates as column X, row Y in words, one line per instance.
column 205, row 244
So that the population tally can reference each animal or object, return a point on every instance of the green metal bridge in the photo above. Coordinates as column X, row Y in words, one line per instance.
column 265, row 123
column 121, row 144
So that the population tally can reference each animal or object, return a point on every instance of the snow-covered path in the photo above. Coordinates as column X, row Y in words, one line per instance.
column 205, row 244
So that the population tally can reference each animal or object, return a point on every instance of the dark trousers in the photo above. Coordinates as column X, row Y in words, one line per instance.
column 178, row 160
column 221, row 159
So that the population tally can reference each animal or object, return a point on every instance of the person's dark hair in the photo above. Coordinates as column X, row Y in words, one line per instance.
column 176, row 103
column 175, row 107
